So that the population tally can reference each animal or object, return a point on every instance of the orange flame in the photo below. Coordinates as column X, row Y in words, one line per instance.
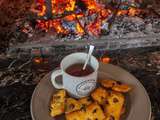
column 60, row 7
column 105, row 13
column 131, row 12
column 55, row 24
column 79, row 29
column 70, row 17
column 42, row 7
column 73, row 16
column 134, row 11
column 94, row 28
column 92, row 5
column 58, row 27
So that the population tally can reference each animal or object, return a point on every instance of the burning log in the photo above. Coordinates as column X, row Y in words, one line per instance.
column 71, row 10
column 67, row 11
column 85, row 19
column 80, row 28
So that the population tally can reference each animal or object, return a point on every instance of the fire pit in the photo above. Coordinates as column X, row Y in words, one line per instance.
column 73, row 24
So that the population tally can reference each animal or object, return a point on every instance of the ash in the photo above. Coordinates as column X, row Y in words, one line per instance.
column 123, row 27
column 129, row 27
column 19, row 71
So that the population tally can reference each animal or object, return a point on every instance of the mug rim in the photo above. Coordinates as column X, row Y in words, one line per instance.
column 95, row 70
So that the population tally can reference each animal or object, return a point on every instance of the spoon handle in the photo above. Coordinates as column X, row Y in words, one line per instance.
column 91, row 48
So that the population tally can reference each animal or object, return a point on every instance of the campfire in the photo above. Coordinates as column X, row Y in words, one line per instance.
column 81, row 17
column 46, row 25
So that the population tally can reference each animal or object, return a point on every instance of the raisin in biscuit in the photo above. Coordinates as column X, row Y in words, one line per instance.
column 94, row 112
column 99, row 95
column 72, row 105
column 108, row 83
column 76, row 115
column 85, row 101
column 124, row 88
column 114, row 105
column 58, row 103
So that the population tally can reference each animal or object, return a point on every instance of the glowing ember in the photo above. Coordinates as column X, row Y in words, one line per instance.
column 79, row 29
column 134, row 12
column 94, row 28
column 51, row 24
column 37, row 60
column 105, row 60
column 41, row 7
column 60, row 6
column 131, row 12
column 92, row 5
column 86, row 20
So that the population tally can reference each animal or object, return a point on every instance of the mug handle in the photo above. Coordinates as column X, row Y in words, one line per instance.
column 53, row 79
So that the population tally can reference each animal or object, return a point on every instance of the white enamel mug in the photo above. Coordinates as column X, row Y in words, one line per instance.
column 76, row 86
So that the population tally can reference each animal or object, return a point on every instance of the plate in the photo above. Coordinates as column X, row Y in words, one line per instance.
column 138, row 102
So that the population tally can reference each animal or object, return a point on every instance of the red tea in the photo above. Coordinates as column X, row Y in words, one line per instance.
column 77, row 70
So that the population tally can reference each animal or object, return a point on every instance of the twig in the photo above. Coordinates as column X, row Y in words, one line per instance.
column 12, row 63
column 26, row 63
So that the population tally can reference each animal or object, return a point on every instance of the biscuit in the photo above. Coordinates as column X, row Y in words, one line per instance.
column 114, row 105
column 76, row 115
column 124, row 88
column 72, row 105
column 85, row 101
column 58, row 103
column 99, row 95
column 108, row 83
column 114, row 85
column 94, row 112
